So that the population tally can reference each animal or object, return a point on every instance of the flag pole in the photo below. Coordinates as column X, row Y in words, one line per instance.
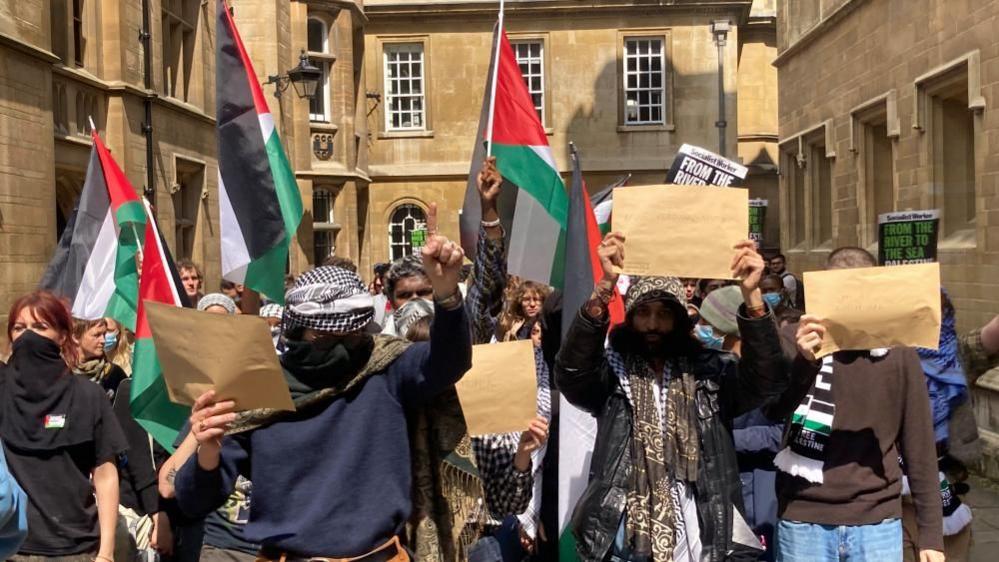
column 492, row 82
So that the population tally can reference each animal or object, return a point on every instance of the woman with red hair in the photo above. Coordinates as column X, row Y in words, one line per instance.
column 60, row 435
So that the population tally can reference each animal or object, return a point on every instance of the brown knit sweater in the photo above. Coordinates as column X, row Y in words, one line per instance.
column 881, row 405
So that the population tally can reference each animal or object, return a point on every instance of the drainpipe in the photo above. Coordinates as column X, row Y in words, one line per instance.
column 720, row 29
column 147, row 127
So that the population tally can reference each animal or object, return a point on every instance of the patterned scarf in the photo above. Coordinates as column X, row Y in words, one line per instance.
column 945, row 380
column 446, row 484
column 664, row 448
column 811, row 424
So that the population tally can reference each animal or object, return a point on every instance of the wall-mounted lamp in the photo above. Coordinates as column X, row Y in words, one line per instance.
column 305, row 78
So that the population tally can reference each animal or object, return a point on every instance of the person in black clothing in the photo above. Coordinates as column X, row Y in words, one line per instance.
column 664, row 484
column 142, row 515
column 60, row 435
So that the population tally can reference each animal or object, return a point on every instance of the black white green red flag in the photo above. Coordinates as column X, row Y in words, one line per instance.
column 524, row 158
column 94, row 265
column 260, row 206
column 150, row 400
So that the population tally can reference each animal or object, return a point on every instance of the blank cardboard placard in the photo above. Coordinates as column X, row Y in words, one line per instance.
column 876, row 307
column 201, row 351
column 681, row 230
column 499, row 394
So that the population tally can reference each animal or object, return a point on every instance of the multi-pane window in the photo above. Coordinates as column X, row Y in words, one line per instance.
column 644, row 81
column 186, row 195
column 531, row 58
column 79, row 42
column 405, row 220
column 179, row 25
column 323, row 227
column 404, row 85
column 319, row 55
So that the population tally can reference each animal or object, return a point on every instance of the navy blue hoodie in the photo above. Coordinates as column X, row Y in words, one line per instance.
column 337, row 484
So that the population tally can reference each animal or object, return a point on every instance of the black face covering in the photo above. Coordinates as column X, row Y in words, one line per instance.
column 324, row 363
column 36, row 398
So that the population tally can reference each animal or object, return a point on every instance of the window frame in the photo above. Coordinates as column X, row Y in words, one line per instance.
column 664, row 35
column 184, row 166
column 542, row 40
column 865, row 121
column 406, row 243
column 328, row 227
column 931, row 91
column 385, row 44
column 78, row 32
column 324, row 60
column 180, row 88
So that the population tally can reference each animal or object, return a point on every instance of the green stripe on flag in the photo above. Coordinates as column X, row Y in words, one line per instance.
column 260, row 274
column 558, row 263
column 567, row 547
column 131, row 212
column 816, row 426
column 287, row 192
column 523, row 167
column 124, row 301
column 150, row 400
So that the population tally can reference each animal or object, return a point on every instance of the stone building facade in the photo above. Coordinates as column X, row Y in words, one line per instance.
column 364, row 172
column 426, row 63
column 63, row 62
column 893, row 105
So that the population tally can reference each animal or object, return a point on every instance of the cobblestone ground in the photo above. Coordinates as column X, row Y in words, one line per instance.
column 984, row 500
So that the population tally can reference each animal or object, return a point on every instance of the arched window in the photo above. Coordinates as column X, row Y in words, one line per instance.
column 319, row 55
column 406, row 219
column 324, row 228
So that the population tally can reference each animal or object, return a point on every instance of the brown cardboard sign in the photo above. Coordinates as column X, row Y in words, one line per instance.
column 499, row 394
column 876, row 307
column 234, row 355
column 681, row 230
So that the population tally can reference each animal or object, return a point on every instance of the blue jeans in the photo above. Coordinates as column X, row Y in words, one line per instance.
column 501, row 546
column 809, row 542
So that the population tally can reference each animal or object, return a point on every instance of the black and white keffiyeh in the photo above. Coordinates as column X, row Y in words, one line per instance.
column 328, row 299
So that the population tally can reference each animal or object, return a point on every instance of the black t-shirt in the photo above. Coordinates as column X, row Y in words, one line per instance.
column 62, row 509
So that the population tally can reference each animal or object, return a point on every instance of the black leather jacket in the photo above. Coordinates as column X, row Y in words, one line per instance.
column 726, row 388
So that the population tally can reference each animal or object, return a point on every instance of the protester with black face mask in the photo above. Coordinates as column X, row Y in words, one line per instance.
column 60, row 435
column 664, row 483
column 335, row 478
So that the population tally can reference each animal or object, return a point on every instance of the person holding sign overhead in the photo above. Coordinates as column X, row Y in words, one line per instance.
column 664, row 482
column 335, row 478
column 853, row 413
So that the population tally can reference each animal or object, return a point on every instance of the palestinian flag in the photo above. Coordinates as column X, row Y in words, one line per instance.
column 578, row 429
column 471, row 211
column 150, row 401
column 603, row 203
column 537, row 235
column 94, row 264
column 260, row 206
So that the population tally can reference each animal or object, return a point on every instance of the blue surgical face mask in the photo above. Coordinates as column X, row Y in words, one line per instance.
column 706, row 334
column 110, row 340
column 773, row 299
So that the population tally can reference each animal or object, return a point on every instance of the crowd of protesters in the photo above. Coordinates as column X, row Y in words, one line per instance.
column 721, row 435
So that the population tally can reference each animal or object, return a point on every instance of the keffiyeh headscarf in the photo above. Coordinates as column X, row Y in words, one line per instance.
column 411, row 313
column 328, row 299
column 271, row 311
column 217, row 299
